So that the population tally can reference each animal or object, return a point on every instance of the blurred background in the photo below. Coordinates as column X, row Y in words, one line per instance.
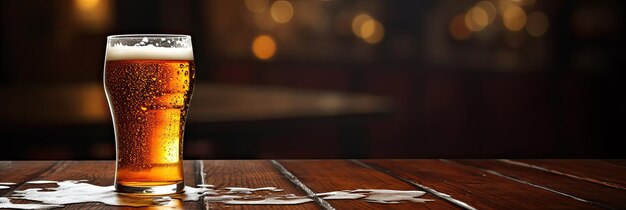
column 331, row 79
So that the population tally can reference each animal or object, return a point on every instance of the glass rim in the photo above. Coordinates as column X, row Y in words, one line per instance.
column 134, row 36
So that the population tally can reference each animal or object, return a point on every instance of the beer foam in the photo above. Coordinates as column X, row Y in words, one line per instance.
column 77, row 191
column 148, row 52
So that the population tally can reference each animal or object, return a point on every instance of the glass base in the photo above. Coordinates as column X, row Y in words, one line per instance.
column 142, row 188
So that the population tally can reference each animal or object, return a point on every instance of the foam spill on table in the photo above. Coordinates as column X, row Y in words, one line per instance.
column 245, row 190
column 6, row 185
column 6, row 203
column 74, row 192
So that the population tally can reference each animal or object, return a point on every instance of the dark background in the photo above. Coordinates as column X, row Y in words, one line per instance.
column 493, row 93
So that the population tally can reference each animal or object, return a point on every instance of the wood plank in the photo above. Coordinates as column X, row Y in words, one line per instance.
column 20, row 171
column 619, row 162
column 97, row 172
column 192, row 173
column 477, row 188
column 100, row 173
column 334, row 175
column 252, row 174
column 599, row 194
column 590, row 170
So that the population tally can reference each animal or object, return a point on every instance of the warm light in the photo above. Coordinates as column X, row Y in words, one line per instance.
column 264, row 47
column 372, row 31
column 489, row 8
column 524, row 2
column 357, row 23
column 264, row 20
column 282, row 11
column 514, row 17
column 367, row 28
column 476, row 19
column 86, row 5
column 537, row 24
column 256, row 5
column 92, row 15
column 93, row 104
column 458, row 29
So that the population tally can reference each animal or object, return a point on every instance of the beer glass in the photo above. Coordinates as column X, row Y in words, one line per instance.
column 148, row 80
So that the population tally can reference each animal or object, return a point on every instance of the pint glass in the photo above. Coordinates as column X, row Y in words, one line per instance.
column 148, row 80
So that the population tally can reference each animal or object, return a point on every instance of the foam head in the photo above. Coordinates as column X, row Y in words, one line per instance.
column 149, row 47
column 148, row 53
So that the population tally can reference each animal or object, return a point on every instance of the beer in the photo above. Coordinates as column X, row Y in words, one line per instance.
column 149, row 89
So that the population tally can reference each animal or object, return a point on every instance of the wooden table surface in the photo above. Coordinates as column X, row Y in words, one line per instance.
column 479, row 184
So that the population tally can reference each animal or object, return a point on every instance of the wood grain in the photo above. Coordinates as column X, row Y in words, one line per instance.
column 599, row 194
column 483, row 184
column 333, row 175
column 191, row 179
column 20, row 171
column 589, row 170
column 477, row 188
column 249, row 173
column 97, row 172
column 619, row 162
column 100, row 173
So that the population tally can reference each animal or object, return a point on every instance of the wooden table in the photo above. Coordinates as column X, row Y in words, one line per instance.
column 479, row 184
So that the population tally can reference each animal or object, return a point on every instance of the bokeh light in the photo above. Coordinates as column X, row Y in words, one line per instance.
column 372, row 31
column 357, row 23
column 368, row 28
column 256, row 5
column 476, row 18
column 282, row 11
column 92, row 15
column 513, row 17
column 489, row 8
column 458, row 29
column 537, row 24
column 524, row 2
column 264, row 47
column 86, row 5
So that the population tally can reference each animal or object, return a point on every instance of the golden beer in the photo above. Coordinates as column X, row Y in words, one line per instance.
column 149, row 89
